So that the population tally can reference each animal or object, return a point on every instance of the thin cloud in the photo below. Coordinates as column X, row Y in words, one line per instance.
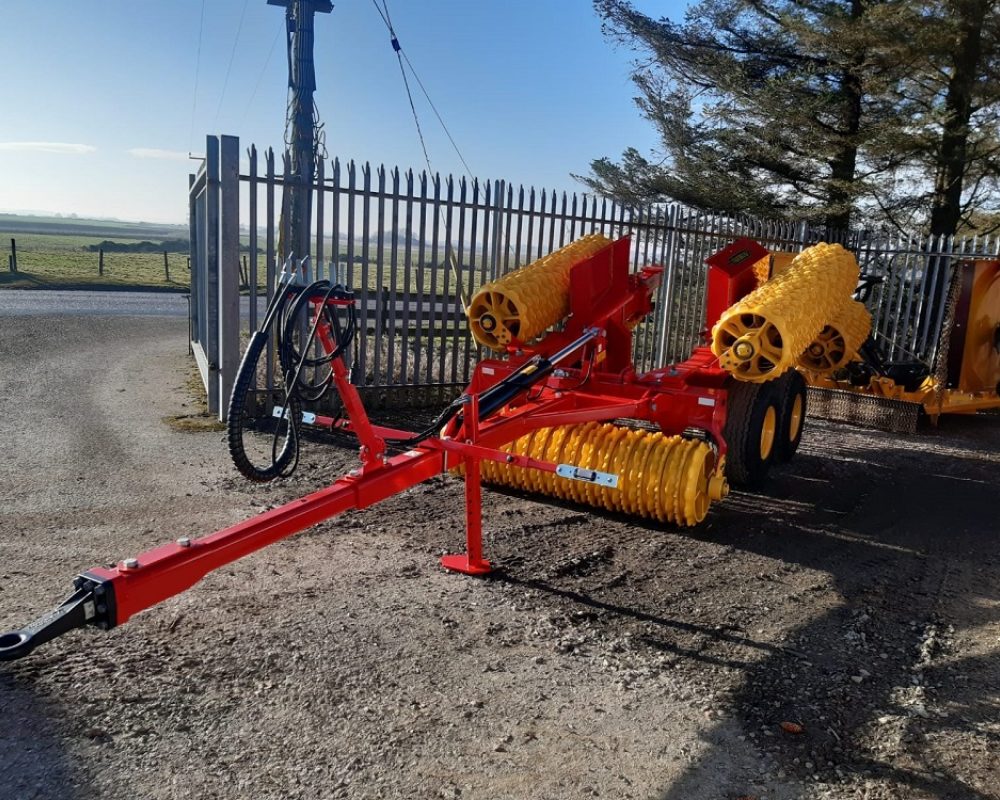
column 47, row 147
column 155, row 152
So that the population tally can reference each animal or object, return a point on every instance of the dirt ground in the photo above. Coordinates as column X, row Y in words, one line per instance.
column 858, row 596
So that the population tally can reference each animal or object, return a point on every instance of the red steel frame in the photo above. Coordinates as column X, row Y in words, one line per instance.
column 600, row 383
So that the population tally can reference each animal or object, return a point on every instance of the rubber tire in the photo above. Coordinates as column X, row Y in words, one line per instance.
column 747, row 405
column 792, row 385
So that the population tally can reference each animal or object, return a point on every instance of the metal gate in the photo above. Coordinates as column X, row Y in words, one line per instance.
column 213, row 201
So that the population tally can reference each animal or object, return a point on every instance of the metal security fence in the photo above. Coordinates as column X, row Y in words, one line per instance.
column 415, row 246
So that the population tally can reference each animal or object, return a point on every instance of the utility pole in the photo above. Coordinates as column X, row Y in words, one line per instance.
column 300, row 132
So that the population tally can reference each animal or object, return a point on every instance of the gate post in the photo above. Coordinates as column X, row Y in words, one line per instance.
column 210, row 272
column 228, row 269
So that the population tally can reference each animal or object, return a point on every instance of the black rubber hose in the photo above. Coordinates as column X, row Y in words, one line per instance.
column 294, row 362
column 283, row 460
column 432, row 430
column 284, row 312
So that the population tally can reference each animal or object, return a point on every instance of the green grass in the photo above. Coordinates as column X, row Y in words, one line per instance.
column 51, row 253
column 60, row 261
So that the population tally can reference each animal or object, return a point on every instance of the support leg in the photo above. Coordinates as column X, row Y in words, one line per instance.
column 472, row 561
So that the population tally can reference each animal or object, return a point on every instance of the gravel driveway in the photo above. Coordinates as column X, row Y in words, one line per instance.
column 857, row 596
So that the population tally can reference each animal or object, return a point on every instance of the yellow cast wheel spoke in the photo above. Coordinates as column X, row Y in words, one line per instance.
column 834, row 346
column 767, row 431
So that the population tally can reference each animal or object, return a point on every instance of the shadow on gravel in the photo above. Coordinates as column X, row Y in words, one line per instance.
column 907, row 530
column 718, row 633
column 33, row 761
column 859, row 557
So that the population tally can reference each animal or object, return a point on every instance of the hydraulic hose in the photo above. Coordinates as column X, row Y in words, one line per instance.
column 499, row 395
column 285, row 310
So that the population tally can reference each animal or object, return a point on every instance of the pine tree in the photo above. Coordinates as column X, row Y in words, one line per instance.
column 885, row 110
column 760, row 104
column 966, row 157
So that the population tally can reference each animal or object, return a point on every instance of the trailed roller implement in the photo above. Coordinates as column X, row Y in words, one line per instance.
column 538, row 418
column 526, row 302
column 762, row 336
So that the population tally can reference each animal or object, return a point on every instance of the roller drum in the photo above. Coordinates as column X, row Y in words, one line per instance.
column 761, row 336
column 664, row 478
column 526, row 302
column 838, row 342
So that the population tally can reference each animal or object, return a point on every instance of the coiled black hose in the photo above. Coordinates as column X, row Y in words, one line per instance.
column 285, row 310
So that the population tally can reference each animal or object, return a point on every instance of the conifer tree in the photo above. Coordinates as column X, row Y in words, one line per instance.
column 835, row 111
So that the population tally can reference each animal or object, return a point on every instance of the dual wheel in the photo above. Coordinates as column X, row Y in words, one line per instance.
column 763, row 426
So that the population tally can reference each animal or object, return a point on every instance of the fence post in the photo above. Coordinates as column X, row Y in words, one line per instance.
column 100, row 261
column 13, row 255
column 802, row 234
column 166, row 267
column 381, row 318
column 228, row 265
column 664, row 311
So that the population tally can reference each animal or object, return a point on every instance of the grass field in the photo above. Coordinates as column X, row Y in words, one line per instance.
column 52, row 253
column 60, row 261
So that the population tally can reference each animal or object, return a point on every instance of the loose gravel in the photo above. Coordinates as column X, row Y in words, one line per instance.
column 855, row 600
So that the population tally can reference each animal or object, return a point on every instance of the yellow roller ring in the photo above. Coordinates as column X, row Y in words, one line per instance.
column 538, row 441
column 659, row 478
column 761, row 336
column 838, row 342
column 614, row 453
column 647, row 498
column 697, row 503
column 639, row 487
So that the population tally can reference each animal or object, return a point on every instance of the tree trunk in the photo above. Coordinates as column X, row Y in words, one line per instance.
column 843, row 165
column 946, row 208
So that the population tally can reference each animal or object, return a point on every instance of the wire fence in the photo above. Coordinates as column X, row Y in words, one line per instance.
column 413, row 245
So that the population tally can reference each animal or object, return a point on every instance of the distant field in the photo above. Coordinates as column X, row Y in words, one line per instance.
column 104, row 229
column 52, row 253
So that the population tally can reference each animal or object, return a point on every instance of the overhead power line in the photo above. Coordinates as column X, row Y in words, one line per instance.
column 260, row 78
column 383, row 12
column 232, row 55
column 197, row 70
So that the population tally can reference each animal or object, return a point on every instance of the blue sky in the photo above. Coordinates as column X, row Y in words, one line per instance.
column 100, row 109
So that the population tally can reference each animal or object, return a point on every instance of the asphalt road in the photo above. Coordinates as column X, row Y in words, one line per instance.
column 120, row 304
